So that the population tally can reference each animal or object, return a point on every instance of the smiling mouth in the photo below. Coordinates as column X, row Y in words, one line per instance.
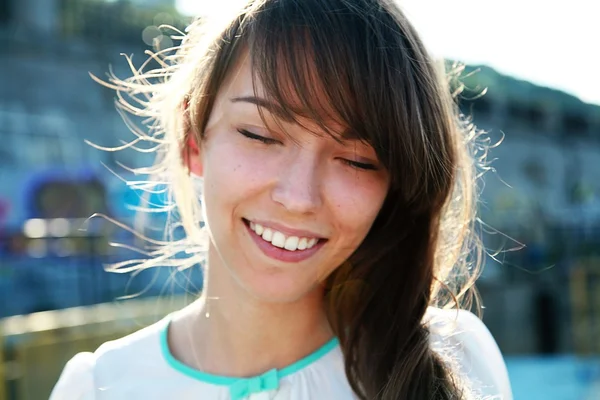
column 280, row 240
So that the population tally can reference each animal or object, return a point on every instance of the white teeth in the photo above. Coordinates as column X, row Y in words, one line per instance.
column 278, row 239
column 291, row 243
column 302, row 244
column 267, row 235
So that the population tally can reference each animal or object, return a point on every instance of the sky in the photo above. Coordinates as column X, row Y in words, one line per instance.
column 551, row 43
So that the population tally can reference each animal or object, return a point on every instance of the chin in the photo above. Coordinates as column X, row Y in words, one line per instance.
column 279, row 289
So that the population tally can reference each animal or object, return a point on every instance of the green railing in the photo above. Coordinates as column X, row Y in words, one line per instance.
column 585, row 302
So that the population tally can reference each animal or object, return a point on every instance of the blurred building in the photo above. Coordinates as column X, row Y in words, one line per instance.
column 49, row 176
column 541, row 191
column 49, row 105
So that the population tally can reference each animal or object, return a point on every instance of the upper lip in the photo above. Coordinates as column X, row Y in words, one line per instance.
column 287, row 231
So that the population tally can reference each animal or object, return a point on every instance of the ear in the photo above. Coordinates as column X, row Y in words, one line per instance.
column 190, row 151
column 191, row 155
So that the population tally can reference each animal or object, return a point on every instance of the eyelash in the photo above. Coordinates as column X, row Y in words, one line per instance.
column 262, row 139
column 253, row 136
column 359, row 165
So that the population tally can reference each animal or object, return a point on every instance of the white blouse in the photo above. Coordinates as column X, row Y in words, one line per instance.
column 140, row 366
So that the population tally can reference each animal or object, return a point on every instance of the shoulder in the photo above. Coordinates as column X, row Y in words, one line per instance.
column 463, row 339
column 108, row 364
column 129, row 350
column 77, row 379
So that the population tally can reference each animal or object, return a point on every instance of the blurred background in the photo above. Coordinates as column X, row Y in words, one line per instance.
column 536, row 60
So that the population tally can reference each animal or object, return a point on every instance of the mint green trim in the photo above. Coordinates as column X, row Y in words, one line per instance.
column 311, row 358
column 228, row 380
column 184, row 369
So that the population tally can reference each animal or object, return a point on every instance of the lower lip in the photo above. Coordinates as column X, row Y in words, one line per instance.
column 282, row 254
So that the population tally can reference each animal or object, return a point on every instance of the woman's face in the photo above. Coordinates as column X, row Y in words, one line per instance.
column 282, row 213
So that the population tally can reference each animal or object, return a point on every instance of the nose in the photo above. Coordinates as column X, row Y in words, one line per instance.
column 298, row 187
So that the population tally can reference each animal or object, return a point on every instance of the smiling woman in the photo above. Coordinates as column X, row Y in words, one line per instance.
column 318, row 144
column 293, row 179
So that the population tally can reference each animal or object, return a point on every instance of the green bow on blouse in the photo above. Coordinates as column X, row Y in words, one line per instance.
column 244, row 387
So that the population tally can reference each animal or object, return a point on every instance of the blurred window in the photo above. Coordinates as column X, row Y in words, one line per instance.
column 529, row 115
column 575, row 124
column 482, row 106
column 41, row 150
column 69, row 199
column 516, row 111
column 7, row 158
column 535, row 116
column 476, row 108
column 37, row 140
column 5, row 11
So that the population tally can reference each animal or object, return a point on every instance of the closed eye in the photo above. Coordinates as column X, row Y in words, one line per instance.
column 253, row 136
column 359, row 165
column 265, row 140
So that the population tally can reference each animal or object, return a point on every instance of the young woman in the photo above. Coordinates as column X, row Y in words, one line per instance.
column 325, row 182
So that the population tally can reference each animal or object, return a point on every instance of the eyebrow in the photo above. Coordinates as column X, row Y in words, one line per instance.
column 346, row 136
column 262, row 103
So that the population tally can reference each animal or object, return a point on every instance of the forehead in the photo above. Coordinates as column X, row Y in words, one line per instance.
column 239, row 80
column 243, row 85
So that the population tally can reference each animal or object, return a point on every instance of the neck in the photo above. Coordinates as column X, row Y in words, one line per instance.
column 231, row 333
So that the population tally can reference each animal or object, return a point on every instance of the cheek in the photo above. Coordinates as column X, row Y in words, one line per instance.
column 354, row 205
column 232, row 173
column 356, row 201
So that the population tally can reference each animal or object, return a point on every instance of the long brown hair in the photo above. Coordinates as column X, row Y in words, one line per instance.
column 361, row 63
